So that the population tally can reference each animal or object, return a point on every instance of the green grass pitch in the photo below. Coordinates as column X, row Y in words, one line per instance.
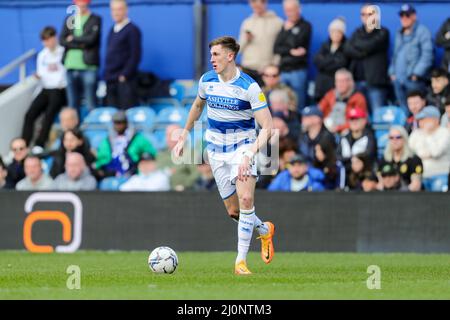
column 125, row 275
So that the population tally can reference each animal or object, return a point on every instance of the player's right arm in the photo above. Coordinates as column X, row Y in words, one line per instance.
column 194, row 114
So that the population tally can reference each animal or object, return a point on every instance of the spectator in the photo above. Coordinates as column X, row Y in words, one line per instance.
column 34, row 179
column 68, row 119
column 412, row 57
column 148, row 178
column 440, row 89
column 15, row 169
column 119, row 153
column 77, row 176
column 390, row 179
column 313, row 132
column 360, row 139
column 3, row 174
column 271, row 79
column 398, row 154
column 432, row 144
column 298, row 177
column 330, row 58
column 72, row 141
column 82, row 55
column 337, row 102
column 257, row 37
column 325, row 159
column 368, row 50
column 205, row 181
column 182, row 173
column 279, row 106
column 52, row 76
column 123, row 54
column 279, row 124
column 287, row 149
column 416, row 102
column 445, row 119
column 370, row 182
column 292, row 44
column 360, row 167
column 443, row 40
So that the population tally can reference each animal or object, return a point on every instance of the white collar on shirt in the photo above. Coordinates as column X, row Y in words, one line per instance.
column 236, row 76
column 119, row 26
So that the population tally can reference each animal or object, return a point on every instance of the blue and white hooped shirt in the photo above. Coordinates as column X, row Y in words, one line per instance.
column 230, row 107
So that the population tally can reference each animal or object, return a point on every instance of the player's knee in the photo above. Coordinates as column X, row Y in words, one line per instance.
column 246, row 201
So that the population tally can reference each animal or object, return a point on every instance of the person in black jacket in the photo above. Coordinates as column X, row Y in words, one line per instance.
column 292, row 44
column 80, row 37
column 72, row 141
column 330, row 58
column 360, row 139
column 443, row 40
column 123, row 54
column 15, row 169
column 368, row 50
column 440, row 89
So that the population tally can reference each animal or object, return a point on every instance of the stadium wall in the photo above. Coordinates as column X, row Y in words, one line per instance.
column 189, row 221
column 168, row 26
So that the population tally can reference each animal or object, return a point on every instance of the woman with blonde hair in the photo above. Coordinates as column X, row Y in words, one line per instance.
column 400, row 156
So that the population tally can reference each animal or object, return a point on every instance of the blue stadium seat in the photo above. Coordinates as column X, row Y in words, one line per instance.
column 162, row 103
column 158, row 139
column 100, row 116
column 112, row 183
column 97, row 125
column 177, row 90
column 382, row 137
column 95, row 136
column 172, row 115
column 385, row 117
column 142, row 118
column 47, row 164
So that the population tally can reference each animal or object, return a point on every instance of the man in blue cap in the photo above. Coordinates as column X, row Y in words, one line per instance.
column 412, row 57
column 313, row 132
column 431, row 143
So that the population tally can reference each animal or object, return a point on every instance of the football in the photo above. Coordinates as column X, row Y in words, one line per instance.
column 163, row 260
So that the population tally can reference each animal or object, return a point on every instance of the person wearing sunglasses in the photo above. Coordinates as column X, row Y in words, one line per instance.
column 367, row 49
column 398, row 154
column 271, row 79
column 412, row 57
column 19, row 149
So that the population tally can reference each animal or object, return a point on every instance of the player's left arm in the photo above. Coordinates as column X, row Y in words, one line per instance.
column 264, row 120
column 263, row 117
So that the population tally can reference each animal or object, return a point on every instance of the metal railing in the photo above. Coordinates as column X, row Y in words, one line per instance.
column 21, row 63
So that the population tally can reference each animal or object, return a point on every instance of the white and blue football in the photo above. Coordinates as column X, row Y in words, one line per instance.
column 163, row 260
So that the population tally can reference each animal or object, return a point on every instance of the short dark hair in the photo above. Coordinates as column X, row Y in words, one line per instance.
column 227, row 42
column 416, row 93
column 439, row 72
column 48, row 32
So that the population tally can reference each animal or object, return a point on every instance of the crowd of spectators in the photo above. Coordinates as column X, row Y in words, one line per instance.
column 327, row 140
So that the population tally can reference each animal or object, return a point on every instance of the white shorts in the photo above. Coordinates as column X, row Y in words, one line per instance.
column 225, row 168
